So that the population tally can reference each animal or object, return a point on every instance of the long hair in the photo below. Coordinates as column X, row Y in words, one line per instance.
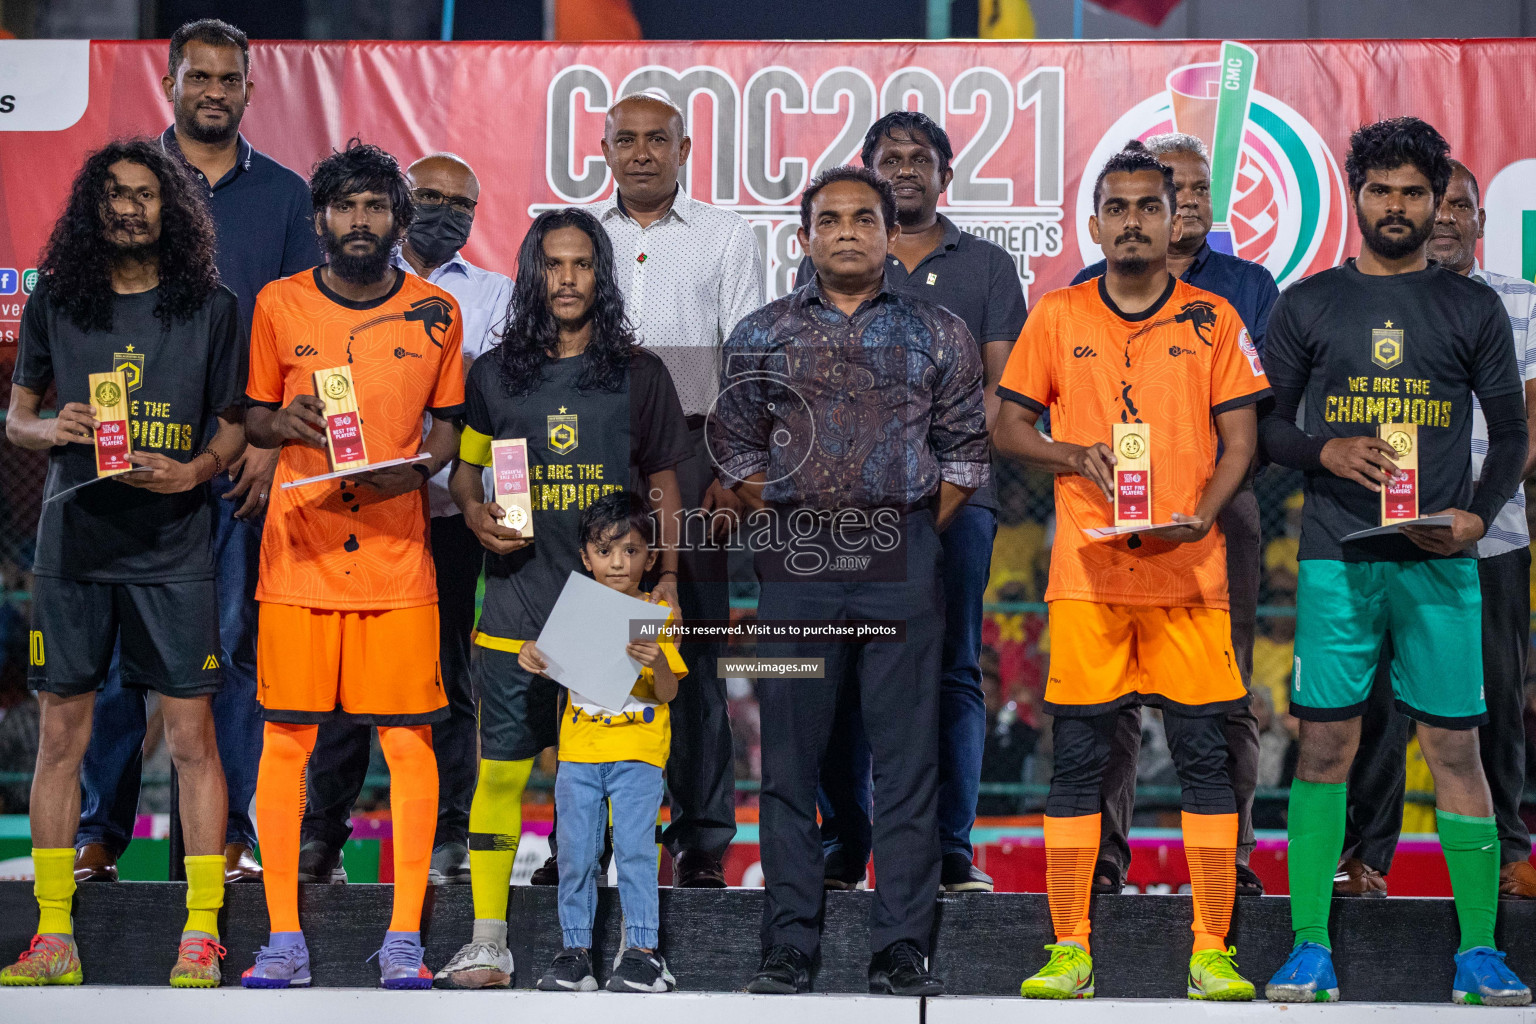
column 530, row 333
column 77, row 261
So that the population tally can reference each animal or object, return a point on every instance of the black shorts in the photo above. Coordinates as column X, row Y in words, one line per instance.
column 519, row 711
column 168, row 634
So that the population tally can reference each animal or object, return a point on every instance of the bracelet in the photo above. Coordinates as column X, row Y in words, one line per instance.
column 218, row 463
column 666, row 572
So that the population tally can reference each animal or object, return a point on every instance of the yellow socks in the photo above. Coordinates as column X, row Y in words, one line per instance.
column 205, row 893
column 495, row 827
column 55, row 890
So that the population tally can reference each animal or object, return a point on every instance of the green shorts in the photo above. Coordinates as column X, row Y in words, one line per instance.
column 1434, row 612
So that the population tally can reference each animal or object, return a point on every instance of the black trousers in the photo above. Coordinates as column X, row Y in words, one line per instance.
column 339, row 763
column 898, row 685
column 701, row 769
column 1378, row 779
column 1239, row 521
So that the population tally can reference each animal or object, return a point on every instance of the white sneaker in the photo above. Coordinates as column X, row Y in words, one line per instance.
column 477, row 965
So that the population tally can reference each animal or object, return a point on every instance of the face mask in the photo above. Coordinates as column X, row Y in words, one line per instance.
column 438, row 232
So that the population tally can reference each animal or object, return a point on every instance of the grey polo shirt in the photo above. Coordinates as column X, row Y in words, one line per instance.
column 973, row 279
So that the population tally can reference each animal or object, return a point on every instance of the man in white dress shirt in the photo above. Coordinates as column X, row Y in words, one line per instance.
column 445, row 192
column 689, row 272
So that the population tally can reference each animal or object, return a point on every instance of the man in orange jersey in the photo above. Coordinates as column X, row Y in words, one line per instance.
column 348, row 596
column 1143, row 617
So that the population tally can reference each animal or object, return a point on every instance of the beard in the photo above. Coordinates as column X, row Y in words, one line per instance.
column 1394, row 248
column 368, row 268
column 1131, row 266
column 188, row 125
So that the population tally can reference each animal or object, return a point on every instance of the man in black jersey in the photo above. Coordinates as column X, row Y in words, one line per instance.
column 1392, row 337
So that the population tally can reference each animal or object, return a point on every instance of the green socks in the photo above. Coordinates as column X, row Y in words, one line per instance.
column 1471, row 847
column 1315, row 834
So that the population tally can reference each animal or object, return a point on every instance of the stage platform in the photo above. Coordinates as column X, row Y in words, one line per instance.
column 1392, row 950
column 330, row 1006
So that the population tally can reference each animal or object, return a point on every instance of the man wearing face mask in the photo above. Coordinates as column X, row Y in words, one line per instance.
column 444, row 193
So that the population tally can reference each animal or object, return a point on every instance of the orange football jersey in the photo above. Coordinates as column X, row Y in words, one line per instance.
column 1173, row 366
column 336, row 544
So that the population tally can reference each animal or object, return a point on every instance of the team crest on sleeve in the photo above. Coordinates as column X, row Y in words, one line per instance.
column 1250, row 350
column 1386, row 346
column 562, row 432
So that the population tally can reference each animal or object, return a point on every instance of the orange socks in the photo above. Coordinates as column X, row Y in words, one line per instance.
column 279, row 812
column 1071, row 851
column 1210, row 846
column 413, row 806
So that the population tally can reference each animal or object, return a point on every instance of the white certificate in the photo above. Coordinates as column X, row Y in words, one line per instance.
column 584, row 638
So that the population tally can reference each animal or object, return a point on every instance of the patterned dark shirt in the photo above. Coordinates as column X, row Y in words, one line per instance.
column 863, row 411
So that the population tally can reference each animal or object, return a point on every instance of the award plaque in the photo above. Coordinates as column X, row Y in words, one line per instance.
column 1400, row 495
column 343, row 423
column 1133, row 474
column 109, row 398
column 509, row 464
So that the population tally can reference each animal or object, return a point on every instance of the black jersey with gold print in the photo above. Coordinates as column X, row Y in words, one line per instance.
column 582, row 444
column 179, row 373
column 1407, row 348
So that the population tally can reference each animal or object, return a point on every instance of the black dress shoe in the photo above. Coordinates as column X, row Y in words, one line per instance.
column 319, row 862
column 785, row 971
column 695, row 869
column 900, row 970
column 841, row 874
column 547, row 873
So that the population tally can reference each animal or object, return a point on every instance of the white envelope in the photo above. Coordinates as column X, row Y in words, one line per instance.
column 1382, row 531
column 584, row 639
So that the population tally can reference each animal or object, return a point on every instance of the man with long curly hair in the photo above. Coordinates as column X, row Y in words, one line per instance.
column 127, row 565
column 348, row 625
column 569, row 375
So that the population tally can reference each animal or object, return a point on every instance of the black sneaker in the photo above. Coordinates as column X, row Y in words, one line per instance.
column 840, row 875
column 319, row 862
column 958, row 874
column 450, row 865
column 900, row 970
column 570, row 972
column 639, row 971
column 547, row 873
column 1248, row 883
column 785, row 971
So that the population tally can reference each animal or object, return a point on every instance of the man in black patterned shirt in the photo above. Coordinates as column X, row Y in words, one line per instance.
column 850, row 418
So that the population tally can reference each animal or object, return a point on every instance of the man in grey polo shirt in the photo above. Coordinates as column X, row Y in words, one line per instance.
column 978, row 282
column 689, row 272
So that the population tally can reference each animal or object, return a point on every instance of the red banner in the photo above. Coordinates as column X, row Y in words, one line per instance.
column 1031, row 121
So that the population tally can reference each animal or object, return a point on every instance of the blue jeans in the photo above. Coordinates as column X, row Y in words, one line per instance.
column 111, row 771
column 634, row 790
column 845, row 799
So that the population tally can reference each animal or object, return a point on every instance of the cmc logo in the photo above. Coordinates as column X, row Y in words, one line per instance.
column 1277, row 195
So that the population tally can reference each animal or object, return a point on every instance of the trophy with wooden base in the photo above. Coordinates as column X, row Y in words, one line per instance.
column 1133, row 474
column 109, row 398
column 509, row 465
column 344, row 444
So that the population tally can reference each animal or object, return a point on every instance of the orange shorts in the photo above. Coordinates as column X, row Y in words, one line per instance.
column 373, row 668
column 1105, row 655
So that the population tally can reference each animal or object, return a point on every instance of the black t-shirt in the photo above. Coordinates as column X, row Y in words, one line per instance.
column 1363, row 350
column 581, row 446
column 179, row 375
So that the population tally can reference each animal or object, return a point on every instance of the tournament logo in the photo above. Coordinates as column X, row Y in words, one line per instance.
column 1131, row 446
column 562, row 432
column 108, row 394
column 132, row 365
column 1277, row 196
column 1509, row 239
column 1400, row 442
column 1386, row 347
